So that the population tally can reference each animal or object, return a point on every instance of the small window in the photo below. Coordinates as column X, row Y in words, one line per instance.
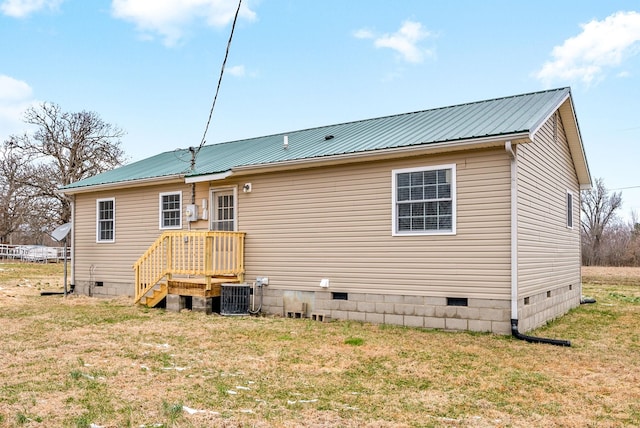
column 570, row 210
column 171, row 210
column 106, row 220
column 424, row 200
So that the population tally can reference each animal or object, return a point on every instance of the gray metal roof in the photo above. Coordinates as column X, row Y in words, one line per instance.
column 478, row 120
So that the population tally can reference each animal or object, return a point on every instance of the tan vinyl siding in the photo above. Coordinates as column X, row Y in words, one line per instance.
column 548, row 251
column 335, row 223
column 136, row 228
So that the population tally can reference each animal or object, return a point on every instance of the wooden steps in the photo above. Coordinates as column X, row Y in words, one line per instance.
column 157, row 295
column 196, row 287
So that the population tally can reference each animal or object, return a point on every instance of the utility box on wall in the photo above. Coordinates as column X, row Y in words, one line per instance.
column 191, row 212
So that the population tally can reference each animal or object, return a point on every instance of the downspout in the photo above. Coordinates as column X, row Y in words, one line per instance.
column 514, row 257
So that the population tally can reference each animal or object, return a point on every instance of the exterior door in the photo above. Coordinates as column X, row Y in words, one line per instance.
column 223, row 219
column 223, row 209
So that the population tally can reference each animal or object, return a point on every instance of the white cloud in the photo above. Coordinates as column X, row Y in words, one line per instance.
column 406, row 41
column 601, row 45
column 171, row 18
column 363, row 34
column 15, row 97
column 22, row 8
column 236, row 70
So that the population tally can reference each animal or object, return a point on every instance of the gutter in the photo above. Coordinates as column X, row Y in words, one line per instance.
column 514, row 258
column 369, row 155
column 150, row 181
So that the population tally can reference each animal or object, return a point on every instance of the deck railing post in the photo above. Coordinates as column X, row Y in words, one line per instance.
column 169, row 259
column 137, row 282
column 240, row 258
column 208, row 261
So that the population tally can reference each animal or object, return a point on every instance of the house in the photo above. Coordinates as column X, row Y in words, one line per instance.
column 463, row 217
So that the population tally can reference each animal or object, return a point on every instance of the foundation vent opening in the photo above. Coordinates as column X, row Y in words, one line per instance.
column 339, row 296
column 457, row 301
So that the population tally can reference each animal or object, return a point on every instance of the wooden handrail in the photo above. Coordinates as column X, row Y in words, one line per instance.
column 192, row 253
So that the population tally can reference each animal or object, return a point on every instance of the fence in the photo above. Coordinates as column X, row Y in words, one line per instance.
column 33, row 253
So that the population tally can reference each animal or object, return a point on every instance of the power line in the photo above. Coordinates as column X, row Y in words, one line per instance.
column 625, row 188
column 224, row 62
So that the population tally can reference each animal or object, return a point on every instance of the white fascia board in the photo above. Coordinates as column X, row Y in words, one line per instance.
column 122, row 184
column 208, row 177
column 546, row 117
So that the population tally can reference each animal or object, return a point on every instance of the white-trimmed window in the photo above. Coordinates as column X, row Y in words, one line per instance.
column 223, row 209
column 569, row 209
column 171, row 210
column 424, row 200
column 106, row 220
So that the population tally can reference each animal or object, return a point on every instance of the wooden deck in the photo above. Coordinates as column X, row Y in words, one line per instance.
column 189, row 263
column 198, row 286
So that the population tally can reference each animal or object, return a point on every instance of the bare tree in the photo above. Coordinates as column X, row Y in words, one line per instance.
column 15, row 197
column 632, row 250
column 598, row 211
column 65, row 148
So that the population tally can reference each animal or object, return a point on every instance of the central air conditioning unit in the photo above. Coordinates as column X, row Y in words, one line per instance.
column 235, row 299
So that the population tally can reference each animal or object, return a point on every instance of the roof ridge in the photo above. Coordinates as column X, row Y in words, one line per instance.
column 388, row 116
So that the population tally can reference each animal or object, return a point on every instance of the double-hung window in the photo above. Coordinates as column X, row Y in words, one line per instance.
column 171, row 210
column 106, row 220
column 424, row 200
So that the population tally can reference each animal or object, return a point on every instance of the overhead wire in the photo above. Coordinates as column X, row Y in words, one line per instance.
column 625, row 188
column 224, row 62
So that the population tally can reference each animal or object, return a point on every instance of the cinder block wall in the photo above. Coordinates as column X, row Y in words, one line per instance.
column 546, row 306
column 484, row 315
column 107, row 289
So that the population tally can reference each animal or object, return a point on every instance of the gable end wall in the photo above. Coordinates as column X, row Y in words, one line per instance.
column 548, row 251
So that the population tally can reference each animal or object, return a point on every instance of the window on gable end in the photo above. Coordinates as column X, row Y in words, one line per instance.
column 569, row 210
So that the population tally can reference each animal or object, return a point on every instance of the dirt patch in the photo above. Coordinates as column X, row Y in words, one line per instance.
column 22, row 280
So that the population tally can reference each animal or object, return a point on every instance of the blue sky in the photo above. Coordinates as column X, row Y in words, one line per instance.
column 151, row 66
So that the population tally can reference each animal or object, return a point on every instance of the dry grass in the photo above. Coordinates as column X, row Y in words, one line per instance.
column 81, row 361
column 611, row 275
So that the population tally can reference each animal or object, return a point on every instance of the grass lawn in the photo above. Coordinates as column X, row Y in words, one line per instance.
column 80, row 361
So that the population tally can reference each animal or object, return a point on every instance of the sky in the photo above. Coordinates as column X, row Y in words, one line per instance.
column 151, row 67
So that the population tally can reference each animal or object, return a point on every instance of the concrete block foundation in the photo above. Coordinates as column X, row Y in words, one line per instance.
column 481, row 315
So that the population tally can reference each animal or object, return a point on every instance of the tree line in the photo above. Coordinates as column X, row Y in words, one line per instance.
column 67, row 147
column 607, row 240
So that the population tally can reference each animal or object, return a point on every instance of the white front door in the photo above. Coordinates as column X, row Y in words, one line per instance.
column 223, row 209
